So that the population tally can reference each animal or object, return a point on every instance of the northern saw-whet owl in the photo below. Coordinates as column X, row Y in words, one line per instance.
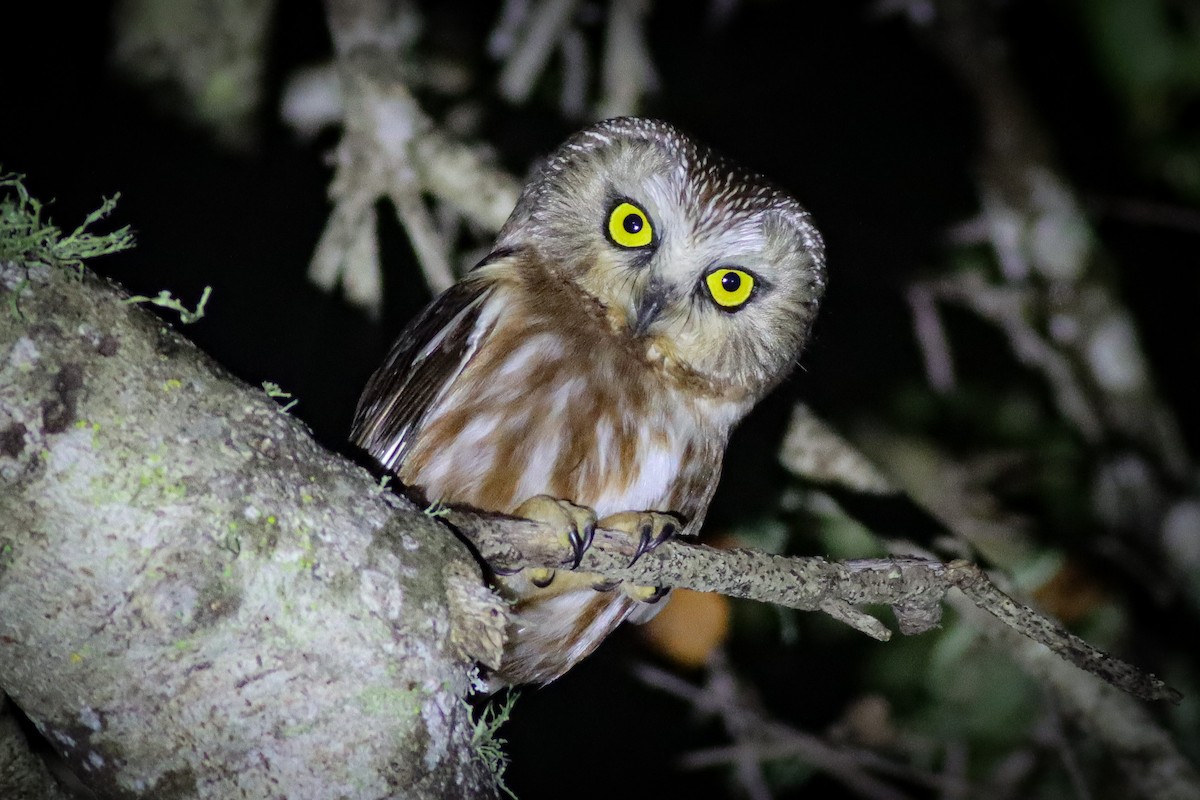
column 643, row 296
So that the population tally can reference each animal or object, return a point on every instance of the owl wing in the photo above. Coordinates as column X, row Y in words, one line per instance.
column 430, row 353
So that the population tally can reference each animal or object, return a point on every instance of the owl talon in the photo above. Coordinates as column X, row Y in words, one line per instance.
column 645, row 543
column 605, row 586
column 650, row 528
column 578, row 522
column 649, row 539
column 646, row 594
column 541, row 577
column 580, row 541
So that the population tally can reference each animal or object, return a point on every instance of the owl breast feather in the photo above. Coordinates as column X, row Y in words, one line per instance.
column 546, row 405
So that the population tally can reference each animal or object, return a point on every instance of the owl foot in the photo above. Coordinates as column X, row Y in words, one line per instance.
column 651, row 528
column 642, row 594
column 540, row 577
column 577, row 522
column 645, row 594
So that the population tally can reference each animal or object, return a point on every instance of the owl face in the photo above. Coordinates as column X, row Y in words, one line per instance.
column 711, row 269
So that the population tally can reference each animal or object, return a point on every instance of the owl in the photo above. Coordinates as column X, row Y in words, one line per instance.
column 644, row 294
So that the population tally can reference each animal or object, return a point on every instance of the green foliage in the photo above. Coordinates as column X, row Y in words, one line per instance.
column 487, row 742
column 27, row 237
column 1149, row 52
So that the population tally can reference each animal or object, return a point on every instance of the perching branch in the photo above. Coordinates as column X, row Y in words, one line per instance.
column 914, row 588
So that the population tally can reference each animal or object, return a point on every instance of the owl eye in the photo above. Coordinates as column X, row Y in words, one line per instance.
column 628, row 226
column 730, row 288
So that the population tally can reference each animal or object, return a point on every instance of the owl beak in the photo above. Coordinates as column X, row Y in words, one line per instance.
column 652, row 302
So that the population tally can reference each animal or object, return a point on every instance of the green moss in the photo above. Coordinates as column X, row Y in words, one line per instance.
column 26, row 237
column 153, row 484
column 291, row 731
column 485, row 739
column 263, row 539
column 165, row 300
column 390, row 702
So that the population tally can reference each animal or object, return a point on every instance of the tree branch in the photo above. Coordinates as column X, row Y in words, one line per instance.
column 915, row 588
column 196, row 600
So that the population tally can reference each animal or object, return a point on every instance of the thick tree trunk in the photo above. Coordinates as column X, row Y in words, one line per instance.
column 196, row 600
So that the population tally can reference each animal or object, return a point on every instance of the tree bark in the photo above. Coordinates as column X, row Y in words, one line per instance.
column 196, row 600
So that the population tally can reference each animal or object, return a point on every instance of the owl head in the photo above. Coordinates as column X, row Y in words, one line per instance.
column 712, row 269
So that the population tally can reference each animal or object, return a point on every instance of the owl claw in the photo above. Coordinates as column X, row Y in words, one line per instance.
column 648, row 539
column 541, row 577
column 651, row 528
column 646, row 594
column 580, row 541
column 578, row 522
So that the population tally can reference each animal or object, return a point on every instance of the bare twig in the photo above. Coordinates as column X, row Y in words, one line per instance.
column 1010, row 308
column 931, row 336
column 758, row 738
column 628, row 72
column 526, row 61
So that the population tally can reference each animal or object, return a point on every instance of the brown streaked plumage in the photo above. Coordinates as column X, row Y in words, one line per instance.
column 644, row 294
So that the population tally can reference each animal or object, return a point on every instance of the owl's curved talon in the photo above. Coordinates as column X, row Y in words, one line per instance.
column 651, row 528
column 645, row 594
column 645, row 536
column 541, row 577
column 577, row 522
column 605, row 586
column 581, row 540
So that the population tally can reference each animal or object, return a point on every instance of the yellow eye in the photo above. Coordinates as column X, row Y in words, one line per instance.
column 628, row 226
column 731, row 288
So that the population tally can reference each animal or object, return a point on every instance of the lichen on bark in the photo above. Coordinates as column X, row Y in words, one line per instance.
column 196, row 600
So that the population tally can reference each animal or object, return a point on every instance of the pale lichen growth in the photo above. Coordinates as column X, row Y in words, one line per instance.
column 165, row 300
column 486, row 740
column 26, row 237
